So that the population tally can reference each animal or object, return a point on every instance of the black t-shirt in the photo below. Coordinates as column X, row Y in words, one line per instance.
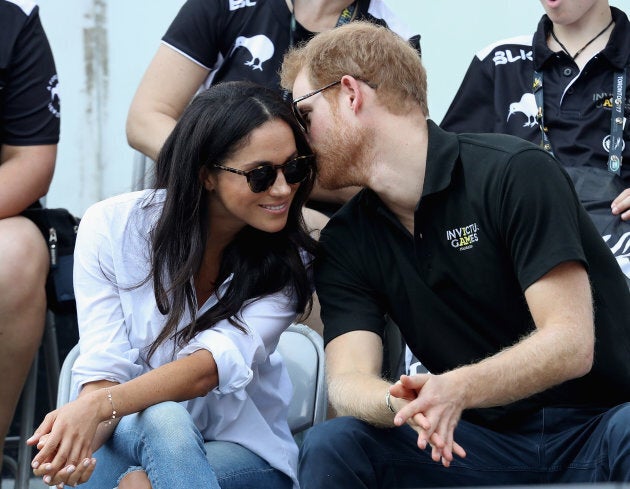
column 496, row 214
column 29, row 97
column 245, row 40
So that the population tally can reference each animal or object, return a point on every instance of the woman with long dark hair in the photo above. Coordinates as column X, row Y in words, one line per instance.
column 182, row 293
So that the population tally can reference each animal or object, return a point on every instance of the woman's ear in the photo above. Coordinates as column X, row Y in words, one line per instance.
column 207, row 179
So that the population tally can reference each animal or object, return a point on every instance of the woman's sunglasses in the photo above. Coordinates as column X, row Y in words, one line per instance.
column 262, row 177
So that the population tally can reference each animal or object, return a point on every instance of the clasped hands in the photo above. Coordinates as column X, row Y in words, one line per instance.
column 433, row 407
column 64, row 442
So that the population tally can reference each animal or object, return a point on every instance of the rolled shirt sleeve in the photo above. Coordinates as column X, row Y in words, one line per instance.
column 235, row 351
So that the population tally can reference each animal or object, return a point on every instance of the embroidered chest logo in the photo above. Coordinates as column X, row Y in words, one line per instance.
column 463, row 238
column 526, row 106
column 237, row 4
column 260, row 48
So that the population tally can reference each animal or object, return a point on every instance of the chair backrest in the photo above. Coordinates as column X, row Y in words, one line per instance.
column 303, row 352
column 65, row 377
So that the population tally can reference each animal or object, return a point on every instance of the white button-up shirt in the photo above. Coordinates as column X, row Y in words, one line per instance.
column 118, row 322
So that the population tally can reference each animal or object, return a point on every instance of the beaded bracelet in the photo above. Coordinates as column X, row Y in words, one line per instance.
column 111, row 401
column 388, row 401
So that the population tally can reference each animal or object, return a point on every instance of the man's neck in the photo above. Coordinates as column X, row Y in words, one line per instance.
column 318, row 15
column 399, row 167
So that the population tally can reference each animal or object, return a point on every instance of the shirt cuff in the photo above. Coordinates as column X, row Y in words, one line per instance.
column 234, row 373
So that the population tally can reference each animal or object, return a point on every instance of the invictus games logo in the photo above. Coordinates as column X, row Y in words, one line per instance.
column 53, row 88
column 463, row 237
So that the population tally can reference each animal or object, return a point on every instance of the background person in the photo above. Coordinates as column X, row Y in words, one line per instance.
column 29, row 132
column 209, row 42
column 581, row 55
column 178, row 331
column 478, row 248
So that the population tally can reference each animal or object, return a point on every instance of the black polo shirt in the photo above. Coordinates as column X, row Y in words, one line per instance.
column 496, row 95
column 496, row 214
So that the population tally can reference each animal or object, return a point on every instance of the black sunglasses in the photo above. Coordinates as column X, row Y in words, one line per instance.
column 296, row 111
column 262, row 177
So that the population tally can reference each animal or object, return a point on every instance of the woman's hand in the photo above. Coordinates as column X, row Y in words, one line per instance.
column 65, row 440
column 71, row 475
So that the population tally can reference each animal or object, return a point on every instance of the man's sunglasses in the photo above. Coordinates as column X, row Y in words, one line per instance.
column 302, row 121
column 296, row 110
column 264, row 176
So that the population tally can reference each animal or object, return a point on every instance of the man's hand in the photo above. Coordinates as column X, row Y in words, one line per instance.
column 433, row 414
column 621, row 205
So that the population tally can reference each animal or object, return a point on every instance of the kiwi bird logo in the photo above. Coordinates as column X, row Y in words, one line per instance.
column 526, row 106
column 260, row 47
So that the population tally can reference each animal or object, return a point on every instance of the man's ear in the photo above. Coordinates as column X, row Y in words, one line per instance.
column 207, row 178
column 352, row 89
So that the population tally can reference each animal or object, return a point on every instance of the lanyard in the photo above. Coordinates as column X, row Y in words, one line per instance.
column 616, row 118
column 346, row 15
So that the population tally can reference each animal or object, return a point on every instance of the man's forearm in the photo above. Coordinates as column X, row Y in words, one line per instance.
column 540, row 361
column 361, row 396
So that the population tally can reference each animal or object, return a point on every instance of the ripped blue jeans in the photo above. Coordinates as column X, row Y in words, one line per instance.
column 164, row 442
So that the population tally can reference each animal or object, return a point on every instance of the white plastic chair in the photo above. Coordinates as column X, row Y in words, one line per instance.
column 303, row 353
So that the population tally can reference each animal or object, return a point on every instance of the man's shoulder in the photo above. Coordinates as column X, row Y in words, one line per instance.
column 490, row 160
column 493, row 142
column 17, row 8
column 488, row 156
column 507, row 51
column 13, row 16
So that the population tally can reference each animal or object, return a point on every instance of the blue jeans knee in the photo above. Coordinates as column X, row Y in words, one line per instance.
column 617, row 443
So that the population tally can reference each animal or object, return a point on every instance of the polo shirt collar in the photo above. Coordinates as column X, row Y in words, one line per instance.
column 442, row 153
column 540, row 49
column 617, row 51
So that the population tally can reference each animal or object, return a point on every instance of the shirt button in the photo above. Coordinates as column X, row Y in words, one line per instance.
column 570, row 90
column 567, row 71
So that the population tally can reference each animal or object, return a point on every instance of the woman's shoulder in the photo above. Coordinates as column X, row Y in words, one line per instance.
column 119, row 208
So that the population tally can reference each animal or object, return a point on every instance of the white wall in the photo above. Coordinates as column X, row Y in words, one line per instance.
column 102, row 47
